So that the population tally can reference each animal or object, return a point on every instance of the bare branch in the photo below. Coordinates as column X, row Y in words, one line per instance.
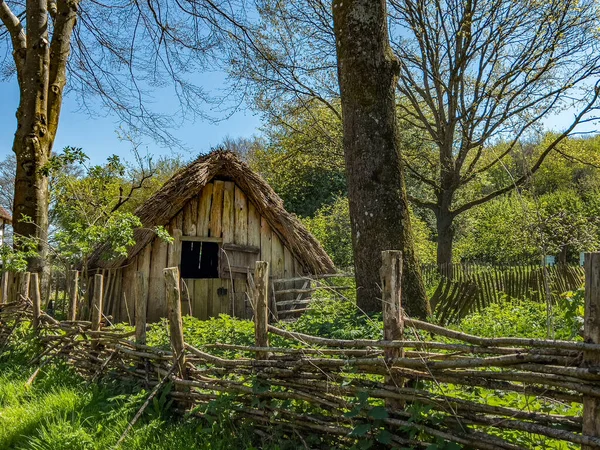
column 17, row 36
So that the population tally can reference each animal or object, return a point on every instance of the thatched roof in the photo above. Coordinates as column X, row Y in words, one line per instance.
column 188, row 182
column 5, row 215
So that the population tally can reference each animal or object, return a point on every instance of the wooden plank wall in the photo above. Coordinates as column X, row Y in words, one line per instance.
column 221, row 210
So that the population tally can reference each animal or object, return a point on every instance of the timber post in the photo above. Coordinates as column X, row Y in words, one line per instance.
column 261, row 307
column 591, row 334
column 97, row 302
column 74, row 294
column 140, row 295
column 36, row 299
column 4, row 292
column 393, row 322
column 174, row 249
column 23, row 286
column 175, row 320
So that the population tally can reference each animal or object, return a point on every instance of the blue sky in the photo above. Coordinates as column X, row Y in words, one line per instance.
column 97, row 135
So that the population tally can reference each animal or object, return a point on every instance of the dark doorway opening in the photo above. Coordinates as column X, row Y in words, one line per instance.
column 199, row 259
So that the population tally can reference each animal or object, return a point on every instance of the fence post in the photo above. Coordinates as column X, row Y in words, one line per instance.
column 174, row 250
column 175, row 321
column 393, row 323
column 140, row 308
column 97, row 302
column 36, row 299
column 74, row 291
column 591, row 333
column 261, row 309
column 23, row 286
column 4, row 292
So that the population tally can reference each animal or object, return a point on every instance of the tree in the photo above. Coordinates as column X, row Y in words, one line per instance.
column 113, row 51
column 303, row 164
column 7, row 181
column 93, row 205
column 367, row 73
column 477, row 72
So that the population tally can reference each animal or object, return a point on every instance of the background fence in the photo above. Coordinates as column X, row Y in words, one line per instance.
column 460, row 289
column 400, row 390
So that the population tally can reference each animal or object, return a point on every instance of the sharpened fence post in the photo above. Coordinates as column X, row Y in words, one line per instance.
column 261, row 307
column 97, row 302
column 591, row 334
column 175, row 320
column 36, row 299
column 74, row 291
column 393, row 323
column 140, row 308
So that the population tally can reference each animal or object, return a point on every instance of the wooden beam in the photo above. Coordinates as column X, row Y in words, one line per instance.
column 591, row 335
column 201, row 239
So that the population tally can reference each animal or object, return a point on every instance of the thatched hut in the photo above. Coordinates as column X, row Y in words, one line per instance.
column 5, row 219
column 224, row 218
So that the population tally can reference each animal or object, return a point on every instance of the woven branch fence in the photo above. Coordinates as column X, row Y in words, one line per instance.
column 466, row 288
column 348, row 389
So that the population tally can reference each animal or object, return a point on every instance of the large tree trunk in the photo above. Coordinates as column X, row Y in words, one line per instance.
column 445, row 238
column 31, row 198
column 367, row 71
column 41, row 73
column 32, row 139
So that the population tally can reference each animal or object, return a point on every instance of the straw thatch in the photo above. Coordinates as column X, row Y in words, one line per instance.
column 5, row 215
column 188, row 182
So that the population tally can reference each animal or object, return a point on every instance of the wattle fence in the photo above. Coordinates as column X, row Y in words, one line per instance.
column 406, row 389
column 464, row 288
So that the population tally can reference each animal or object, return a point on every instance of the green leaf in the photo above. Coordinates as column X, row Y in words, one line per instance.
column 361, row 429
column 353, row 412
column 384, row 437
column 363, row 397
column 378, row 412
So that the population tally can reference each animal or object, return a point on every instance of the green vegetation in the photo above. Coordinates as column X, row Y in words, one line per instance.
column 61, row 411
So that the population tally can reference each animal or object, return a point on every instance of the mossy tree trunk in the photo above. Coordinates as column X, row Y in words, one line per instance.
column 41, row 64
column 367, row 72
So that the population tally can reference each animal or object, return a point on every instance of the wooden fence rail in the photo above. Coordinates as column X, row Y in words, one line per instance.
column 342, row 388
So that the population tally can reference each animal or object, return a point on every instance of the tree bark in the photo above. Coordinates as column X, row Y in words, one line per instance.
column 367, row 73
column 445, row 238
column 31, row 197
column 41, row 73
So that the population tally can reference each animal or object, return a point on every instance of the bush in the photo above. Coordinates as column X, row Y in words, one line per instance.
column 528, row 319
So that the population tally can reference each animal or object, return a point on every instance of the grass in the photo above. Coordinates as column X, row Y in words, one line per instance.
column 60, row 411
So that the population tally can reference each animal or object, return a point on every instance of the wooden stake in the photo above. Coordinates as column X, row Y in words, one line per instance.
column 591, row 333
column 174, row 251
column 97, row 302
column 4, row 293
column 393, row 323
column 36, row 298
column 261, row 310
column 23, row 292
column 140, row 295
column 391, row 276
column 175, row 321
column 74, row 291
